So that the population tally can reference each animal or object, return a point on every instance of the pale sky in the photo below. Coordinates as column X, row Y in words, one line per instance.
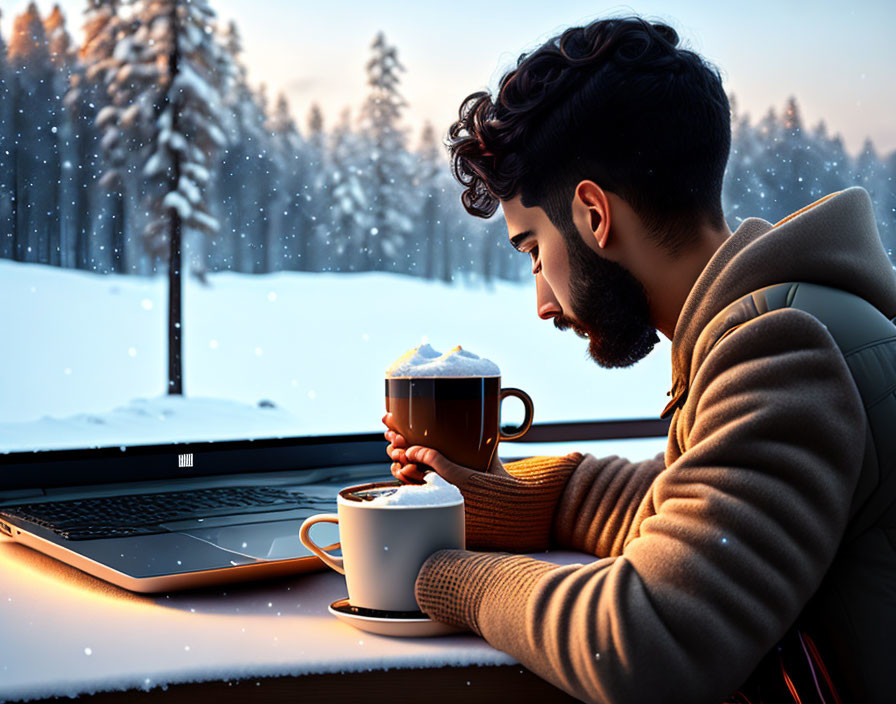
column 835, row 58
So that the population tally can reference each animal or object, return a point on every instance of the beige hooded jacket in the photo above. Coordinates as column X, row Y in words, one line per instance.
column 710, row 555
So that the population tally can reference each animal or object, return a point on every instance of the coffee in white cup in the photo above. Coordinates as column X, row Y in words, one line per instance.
column 386, row 531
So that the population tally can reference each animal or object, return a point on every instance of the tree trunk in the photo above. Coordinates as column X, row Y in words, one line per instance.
column 175, row 377
column 488, row 258
column 15, row 246
column 58, row 225
column 23, row 233
column 118, row 228
column 302, row 227
column 446, row 254
column 83, row 198
column 175, row 370
column 431, row 229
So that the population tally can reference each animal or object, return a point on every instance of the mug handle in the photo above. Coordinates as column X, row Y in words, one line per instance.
column 527, row 420
column 305, row 537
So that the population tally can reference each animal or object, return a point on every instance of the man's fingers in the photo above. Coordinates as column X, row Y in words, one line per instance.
column 407, row 461
column 444, row 467
column 396, row 442
column 412, row 474
column 389, row 422
column 409, row 473
column 395, row 439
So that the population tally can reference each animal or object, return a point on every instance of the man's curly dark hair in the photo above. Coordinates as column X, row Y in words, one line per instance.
column 616, row 102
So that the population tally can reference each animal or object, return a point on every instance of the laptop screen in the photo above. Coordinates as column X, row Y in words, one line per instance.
column 236, row 245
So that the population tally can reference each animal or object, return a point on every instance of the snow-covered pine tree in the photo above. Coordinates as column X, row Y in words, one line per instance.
column 742, row 185
column 836, row 170
column 168, row 100
column 801, row 162
column 795, row 166
column 97, row 207
column 59, row 41
column 430, row 191
column 36, row 193
column 242, row 180
column 769, row 165
column 888, row 207
column 387, row 172
column 315, row 189
column 315, row 125
column 340, row 237
column 101, row 27
column 493, row 251
column 868, row 171
column 261, row 168
column 457, row 222
column 62, row 56
column 222, row 245
column 502, row 262
column 7, row 157
column 288, row 212
column 871, row 174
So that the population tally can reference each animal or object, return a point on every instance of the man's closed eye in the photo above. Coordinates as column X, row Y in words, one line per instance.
column 536, row 265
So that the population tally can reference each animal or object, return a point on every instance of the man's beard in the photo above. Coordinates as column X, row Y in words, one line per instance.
column 610, row 306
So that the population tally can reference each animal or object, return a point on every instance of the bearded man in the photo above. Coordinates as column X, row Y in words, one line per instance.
column 756, row 558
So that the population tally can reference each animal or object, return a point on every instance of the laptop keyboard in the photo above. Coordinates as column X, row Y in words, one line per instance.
column 141, row 514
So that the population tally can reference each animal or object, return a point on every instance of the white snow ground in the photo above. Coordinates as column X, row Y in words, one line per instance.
column 84, row 356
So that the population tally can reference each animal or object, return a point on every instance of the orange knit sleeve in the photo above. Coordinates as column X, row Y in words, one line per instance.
column 516, row 513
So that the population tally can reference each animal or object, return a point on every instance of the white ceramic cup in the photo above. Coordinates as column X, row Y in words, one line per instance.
column 383, row 547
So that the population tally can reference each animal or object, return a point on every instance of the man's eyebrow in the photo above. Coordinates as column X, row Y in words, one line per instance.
column 517, row 240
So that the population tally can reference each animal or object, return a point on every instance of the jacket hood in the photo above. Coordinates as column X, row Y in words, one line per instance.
column 832, row 242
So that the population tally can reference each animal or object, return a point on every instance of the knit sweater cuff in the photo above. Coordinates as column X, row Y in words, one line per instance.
column 516, row 512
column 452, row 584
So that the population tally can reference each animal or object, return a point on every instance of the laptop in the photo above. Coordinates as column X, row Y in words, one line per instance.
column 188, row 515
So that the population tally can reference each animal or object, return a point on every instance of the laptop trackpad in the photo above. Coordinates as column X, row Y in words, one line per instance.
column 276, row 540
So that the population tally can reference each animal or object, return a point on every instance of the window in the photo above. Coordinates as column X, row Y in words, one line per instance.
column 293, row 153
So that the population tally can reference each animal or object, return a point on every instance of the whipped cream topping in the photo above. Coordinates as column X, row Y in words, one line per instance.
column 424, row 361
column 434, row 491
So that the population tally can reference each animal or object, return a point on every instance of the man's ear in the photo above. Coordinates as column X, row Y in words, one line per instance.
column 591, row 205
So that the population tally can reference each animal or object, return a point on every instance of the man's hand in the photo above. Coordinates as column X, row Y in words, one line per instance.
column 407, row 461
column 503, row 510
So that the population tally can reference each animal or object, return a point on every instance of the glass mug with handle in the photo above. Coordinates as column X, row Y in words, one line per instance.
column 452, row 403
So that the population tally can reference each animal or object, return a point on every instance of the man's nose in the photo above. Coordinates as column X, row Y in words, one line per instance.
column 548, row 306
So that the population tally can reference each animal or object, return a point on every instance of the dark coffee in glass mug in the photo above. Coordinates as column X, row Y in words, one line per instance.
column 458, row 416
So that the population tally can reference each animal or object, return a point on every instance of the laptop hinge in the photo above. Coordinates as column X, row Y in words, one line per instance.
column 17, row 494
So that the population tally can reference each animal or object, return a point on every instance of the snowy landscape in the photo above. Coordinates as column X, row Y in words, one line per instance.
column 273, row 355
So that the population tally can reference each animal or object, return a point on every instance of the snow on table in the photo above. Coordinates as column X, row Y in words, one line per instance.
column 75, row 634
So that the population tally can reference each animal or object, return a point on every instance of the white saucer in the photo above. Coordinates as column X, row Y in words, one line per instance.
column 412, row 625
